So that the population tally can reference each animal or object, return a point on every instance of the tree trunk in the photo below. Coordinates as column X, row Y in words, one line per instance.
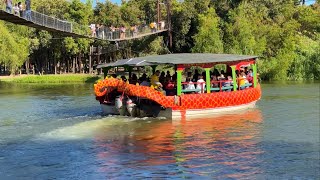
column 90, row 60
column 73, row 65
column 80, row 63
column 68, row 65
column 55, row 66
column 27, row 66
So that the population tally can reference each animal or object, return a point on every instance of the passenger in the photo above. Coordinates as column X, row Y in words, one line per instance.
column 190, row 85
column 195, row 76
column 155, row 80
column 216, row 72
column 204, row 75
column 124, row 78
column 228, row 83
column 201, row 84
column 168, row 74
column 144, row 82
column 246, row 70
column 162, row 77
column 144, row 76
column 214, row 82
column 250, row 76
column 170, row 88
column 242, row 80
column 134, row 79
column 221, row 77
column 189, row 75
column 174, row 77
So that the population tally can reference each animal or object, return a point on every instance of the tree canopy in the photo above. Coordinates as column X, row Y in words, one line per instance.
column 285, row 34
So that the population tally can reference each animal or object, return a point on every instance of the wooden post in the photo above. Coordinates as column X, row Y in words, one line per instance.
column 208, row 83
column 234, row 78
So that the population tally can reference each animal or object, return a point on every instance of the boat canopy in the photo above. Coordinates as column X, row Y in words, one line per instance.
column 195, row 59
column 127, row 62
column 186, row 59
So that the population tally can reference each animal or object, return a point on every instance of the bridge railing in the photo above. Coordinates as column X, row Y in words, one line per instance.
column 42, row 19
column 103, row 32
column 49, row 21
column 108, row 33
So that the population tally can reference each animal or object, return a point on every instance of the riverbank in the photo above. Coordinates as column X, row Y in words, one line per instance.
column 61, row 78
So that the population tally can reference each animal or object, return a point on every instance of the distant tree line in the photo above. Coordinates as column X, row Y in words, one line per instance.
column 285, row 34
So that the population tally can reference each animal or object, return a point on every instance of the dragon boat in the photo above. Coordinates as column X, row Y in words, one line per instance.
column 118, row 96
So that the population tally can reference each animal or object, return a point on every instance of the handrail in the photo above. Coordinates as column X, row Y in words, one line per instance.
column 72, row 27
column 106, row 33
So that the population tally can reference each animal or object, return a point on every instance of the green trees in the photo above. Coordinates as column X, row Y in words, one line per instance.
column 13, row 49
column 209, row 36
column 283, row 33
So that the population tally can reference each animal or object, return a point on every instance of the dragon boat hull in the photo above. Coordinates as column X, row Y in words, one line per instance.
column 156, row 104
column 208, row 112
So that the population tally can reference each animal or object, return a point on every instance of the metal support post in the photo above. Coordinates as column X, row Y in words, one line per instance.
column 234, row 78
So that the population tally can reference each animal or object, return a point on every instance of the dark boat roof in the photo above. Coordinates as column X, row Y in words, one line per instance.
column 196, row 58
column 183, row 58
column 126, row 62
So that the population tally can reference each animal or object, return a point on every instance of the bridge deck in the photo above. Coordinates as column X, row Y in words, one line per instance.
column 51, row 24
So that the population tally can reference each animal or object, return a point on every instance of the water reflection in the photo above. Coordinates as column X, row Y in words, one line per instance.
column 220, row 146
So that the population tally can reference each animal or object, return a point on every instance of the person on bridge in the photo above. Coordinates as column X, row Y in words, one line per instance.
column 8, row 5
column 28, row 10
column 20, row 9
column 16, row 10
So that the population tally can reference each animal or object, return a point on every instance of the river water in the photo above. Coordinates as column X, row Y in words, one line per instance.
column 57, row 132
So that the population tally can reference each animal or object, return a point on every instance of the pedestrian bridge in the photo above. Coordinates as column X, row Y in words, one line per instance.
column 65, row 28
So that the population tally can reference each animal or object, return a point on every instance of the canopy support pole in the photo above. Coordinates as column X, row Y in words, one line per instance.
column 179, row 75
column 234, row 78
column 180, row 68
column 254, row 66
column 208, row 86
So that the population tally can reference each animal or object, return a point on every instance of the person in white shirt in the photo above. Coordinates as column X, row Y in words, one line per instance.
column 201, row 84
column 16, row 9
column 190, row 84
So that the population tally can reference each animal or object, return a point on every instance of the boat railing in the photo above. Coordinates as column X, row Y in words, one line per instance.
column 196, row 89
column 216, row 85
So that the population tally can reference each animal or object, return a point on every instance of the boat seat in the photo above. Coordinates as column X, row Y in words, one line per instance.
column 190, row 90
column 246, row 85
column 222, row 88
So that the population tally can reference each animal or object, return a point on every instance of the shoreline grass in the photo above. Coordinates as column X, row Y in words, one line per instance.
column 63, row 78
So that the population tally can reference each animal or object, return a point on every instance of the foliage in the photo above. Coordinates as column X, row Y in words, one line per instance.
column 208, row 39
column 283, row 33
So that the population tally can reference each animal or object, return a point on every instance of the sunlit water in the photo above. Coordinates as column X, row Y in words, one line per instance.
column 57, row 132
